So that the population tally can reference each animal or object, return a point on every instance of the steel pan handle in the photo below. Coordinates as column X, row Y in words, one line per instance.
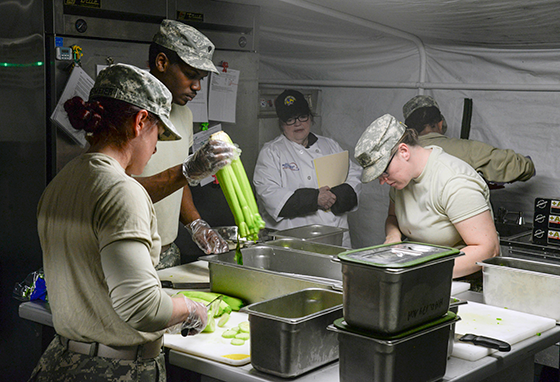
column 337, row 287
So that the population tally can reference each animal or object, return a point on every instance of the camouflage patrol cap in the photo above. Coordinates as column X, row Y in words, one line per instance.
column 193, row 47
column 419, row 101
column 138, row 87
column 373, row 150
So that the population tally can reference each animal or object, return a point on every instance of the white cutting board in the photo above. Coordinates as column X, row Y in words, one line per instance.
column 491, row 321
column 459, row 287
column 194, row 272
column 212, row 345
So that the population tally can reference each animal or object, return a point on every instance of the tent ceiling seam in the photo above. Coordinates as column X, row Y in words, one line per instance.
column 373, row 25
column 412, row 85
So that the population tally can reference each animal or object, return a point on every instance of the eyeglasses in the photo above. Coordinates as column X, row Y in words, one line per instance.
column 385, row 173
column 301, row 118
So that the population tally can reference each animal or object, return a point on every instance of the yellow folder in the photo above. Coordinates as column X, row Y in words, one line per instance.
column 331, row 170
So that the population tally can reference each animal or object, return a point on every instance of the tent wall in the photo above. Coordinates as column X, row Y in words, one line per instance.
column 363, row 74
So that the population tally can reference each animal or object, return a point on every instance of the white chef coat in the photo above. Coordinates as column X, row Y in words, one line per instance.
column 283, row 167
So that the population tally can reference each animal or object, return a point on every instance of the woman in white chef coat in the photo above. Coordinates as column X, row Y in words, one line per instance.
column 436, row 198
column 285, row 178
column 98, row 232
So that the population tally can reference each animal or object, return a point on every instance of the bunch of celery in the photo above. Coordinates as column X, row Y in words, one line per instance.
column 239, row 195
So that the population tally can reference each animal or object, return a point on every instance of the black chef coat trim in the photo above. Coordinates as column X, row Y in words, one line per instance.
column 346, row 199
column 311, row 140
column 302, row 202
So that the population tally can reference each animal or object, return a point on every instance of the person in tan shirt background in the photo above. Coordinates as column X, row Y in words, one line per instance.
column 180, row 57
column 496, row 166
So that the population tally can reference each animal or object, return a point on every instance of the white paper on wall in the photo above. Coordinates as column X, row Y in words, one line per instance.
column 79, row 84
column 222, row 96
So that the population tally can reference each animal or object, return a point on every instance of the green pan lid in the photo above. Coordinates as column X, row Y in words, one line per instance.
column 398, row 255
column 446, row 318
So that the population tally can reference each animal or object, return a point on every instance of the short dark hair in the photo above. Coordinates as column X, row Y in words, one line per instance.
column 423, row 117
column 156, row 49
column 409, row 137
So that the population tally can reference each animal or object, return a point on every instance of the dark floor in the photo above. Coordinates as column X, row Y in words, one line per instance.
column 546, row 374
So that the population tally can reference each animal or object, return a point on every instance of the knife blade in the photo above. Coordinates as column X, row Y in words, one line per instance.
column 487, row 342
column 213, row 305
column 185, row 285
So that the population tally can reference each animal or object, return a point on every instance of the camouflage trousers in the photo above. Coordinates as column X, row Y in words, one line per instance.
column 59, row 364
column 171, row 257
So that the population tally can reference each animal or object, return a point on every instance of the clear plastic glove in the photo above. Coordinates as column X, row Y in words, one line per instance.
column 206, row 238
column 326, row 198
column 195, row 322
column 208, row 159
column 197, row 319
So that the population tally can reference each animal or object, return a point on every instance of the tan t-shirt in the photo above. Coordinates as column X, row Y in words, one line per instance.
column 169, row 154
column 448, row 191
column 90, row 204
column 495, row 165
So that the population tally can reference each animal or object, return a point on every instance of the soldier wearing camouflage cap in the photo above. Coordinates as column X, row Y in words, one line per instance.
column 181, row 58
column 100, row 243
column 497, row 166
column 374, row 148
column 418, row 102
column 435, row 198
column 193, row 47
column 130, row 84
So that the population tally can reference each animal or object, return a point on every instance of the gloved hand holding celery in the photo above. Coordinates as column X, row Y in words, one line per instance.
column 206, row 238
column 208, row 159
column 239, row 195
column 197, row 320
column 218, row 306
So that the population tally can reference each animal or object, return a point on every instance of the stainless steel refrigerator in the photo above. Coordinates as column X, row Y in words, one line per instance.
column 36, row 42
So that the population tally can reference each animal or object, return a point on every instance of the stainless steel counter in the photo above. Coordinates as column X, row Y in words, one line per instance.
column 514, row 366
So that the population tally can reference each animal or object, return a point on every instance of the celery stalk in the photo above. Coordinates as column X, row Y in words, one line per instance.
column 239, row 195
column 247, row 213
column 245, row 188
column 224, row 177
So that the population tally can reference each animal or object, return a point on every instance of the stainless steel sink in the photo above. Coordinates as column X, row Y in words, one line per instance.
column 269, row 272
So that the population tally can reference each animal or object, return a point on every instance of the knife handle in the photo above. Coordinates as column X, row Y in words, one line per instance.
column 185, row 331
column 487, row 342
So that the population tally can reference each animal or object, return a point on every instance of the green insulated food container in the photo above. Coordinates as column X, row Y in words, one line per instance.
column 417, row 355
column 390, row 288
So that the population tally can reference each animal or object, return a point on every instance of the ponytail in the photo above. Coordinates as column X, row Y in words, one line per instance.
column 103, row 119
column 85, row 116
